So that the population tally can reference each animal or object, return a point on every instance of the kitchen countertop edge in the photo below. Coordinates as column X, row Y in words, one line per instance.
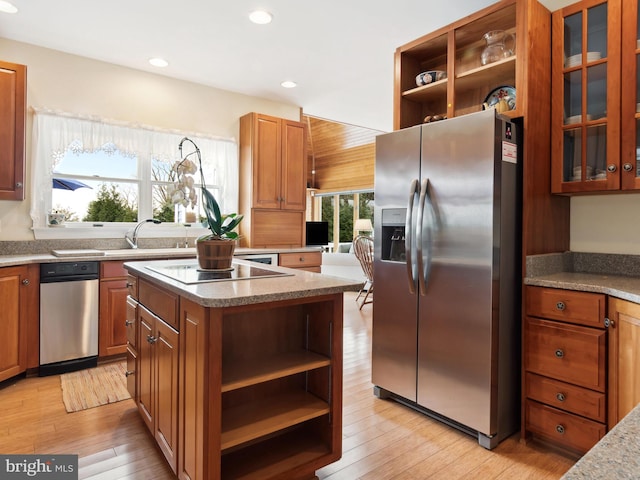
column 129, row 254
column 298, row 284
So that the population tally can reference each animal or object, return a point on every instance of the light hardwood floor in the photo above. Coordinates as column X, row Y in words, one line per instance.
column 381, row 439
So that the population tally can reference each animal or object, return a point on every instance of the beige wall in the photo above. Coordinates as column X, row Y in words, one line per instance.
column 79, row 85
column 606, row 224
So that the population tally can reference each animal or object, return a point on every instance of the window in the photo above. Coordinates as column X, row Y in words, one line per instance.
column 105, row 174
column 351, row 206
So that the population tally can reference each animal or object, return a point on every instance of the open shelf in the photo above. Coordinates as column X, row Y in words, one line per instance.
column 430, row 90
column 275, row 456
column 268, row 415
column 244, row 374
column 501, row 71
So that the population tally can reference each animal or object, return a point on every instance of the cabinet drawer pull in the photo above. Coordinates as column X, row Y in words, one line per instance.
column 559, row 353
column 129, row 373
column 128, row 322
column 152, row 339
column 560, row 429
column 560, row 397
column 560, row 306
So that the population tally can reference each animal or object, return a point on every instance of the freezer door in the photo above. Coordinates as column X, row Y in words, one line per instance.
column 395, row 305
column 455, row 312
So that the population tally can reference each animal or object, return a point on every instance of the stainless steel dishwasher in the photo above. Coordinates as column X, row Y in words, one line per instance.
column 68, row 316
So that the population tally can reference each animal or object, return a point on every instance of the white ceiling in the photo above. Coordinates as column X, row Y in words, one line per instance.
column 340, row 52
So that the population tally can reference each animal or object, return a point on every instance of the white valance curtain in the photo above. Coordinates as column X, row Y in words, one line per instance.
column 56, row 132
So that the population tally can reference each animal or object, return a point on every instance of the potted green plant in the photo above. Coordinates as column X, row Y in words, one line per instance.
column 215, row 249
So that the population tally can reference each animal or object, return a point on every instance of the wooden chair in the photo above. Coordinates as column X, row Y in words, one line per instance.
column 363, row 249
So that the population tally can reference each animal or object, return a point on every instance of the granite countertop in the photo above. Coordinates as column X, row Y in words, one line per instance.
column 614, row 275
column 100, row 254
column 297, row 284
column 615, row 455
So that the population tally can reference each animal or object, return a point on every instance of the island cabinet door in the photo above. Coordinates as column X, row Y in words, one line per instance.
column 166, row 361
column 145, row 367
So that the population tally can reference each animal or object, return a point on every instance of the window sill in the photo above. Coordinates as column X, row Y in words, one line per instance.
column 80, row 231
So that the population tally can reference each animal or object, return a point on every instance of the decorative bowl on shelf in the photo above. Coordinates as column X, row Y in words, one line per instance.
column 431, row 76
column 502, row 98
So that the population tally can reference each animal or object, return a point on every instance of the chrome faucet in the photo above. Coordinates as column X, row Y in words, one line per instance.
column 133, row 241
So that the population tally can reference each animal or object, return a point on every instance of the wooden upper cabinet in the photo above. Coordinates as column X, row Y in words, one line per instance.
column 273, row 177
column 457, row 49
column 273, row 151
column 590, row 102
column 630, row 90
column 294, row 173
column 13, row 100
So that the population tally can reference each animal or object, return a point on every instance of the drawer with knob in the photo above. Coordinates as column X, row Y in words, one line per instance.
column 306, row 260
column 571, row 431
column 566, row 352
column 131, row 323
column 578, row 400
column 132, row 286
column 582, row 308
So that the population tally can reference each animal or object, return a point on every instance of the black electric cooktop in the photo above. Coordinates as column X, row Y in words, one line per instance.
column 190, row 273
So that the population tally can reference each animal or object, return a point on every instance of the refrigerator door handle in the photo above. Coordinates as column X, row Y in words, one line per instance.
column 409, row 235
column 424, row 267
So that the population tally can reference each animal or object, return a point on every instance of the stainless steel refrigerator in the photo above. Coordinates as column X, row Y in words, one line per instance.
column 447, row 272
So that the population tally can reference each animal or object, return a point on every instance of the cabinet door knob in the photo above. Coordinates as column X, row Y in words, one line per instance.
column 560, row 429
column 26, row 281
column 559, row 353
column 608, row 322
column 152, row 339
column 128, row 322
column 129, row 373
column 611, row 168
column 627, row 167
column 129, row 284
column 560, row 397
column 560, row 306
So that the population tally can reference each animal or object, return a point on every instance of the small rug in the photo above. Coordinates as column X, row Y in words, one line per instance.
column 94, row 387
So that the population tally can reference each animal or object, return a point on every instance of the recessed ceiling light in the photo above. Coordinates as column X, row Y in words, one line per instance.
column 289, row 84
column 158, row 62
column 260, row 17
column 7, row 7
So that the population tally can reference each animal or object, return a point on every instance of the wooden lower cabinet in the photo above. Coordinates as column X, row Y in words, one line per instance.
column 158, row 381
column 624, row 358
column 252, row 392
column 131, row 325
column 19, row 298
column 565, row 367
column 310, row 261
column 112, row 337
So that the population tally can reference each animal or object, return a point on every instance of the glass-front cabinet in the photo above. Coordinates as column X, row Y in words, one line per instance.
column 630, row 96
column 589, row 97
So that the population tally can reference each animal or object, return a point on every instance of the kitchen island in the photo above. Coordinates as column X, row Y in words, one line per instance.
column 238, row 378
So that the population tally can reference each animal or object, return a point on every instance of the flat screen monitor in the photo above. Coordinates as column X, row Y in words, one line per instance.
column 317, row 233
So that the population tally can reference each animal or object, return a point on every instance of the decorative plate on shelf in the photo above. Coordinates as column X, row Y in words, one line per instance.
column 504, row 92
